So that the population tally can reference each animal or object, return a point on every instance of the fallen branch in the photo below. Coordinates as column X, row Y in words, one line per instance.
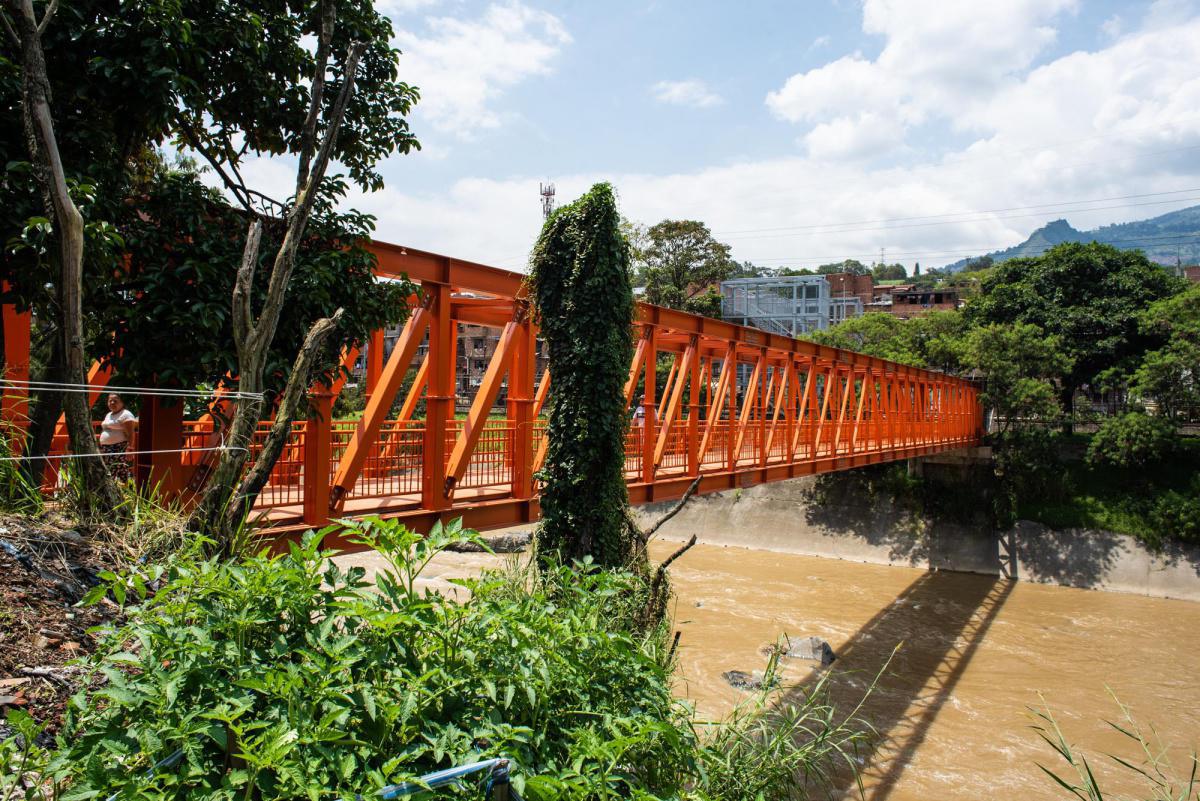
column 648, row 533
column 48, row 673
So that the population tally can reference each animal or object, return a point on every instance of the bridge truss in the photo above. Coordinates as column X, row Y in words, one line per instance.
column 740, row 407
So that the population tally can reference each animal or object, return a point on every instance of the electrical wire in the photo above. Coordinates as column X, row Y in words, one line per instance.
column 159, row 391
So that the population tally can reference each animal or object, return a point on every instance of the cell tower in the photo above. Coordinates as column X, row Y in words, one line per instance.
column 547, row 192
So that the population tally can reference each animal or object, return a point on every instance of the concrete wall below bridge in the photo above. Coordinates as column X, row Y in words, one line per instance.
column 794, row 517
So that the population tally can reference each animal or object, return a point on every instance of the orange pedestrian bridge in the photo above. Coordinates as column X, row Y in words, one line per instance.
column 739, row 407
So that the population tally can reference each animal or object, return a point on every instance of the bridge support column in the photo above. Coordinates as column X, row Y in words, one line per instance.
column 650, row 421
column 318, row 453
column 521, row 379
column 439, row 400
column 14, row 401
column 160, row 428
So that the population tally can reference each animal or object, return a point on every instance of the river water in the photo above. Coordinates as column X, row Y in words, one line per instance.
column 974, row 654
column 952, row 709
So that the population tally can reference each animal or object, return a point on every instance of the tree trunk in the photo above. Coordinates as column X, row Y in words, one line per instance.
column 293, row 395
column 100, row 491
column 229, row 496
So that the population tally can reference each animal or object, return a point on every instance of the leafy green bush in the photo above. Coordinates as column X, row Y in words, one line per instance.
column 287, row 677
column 1177, row 514
column 1132, row 440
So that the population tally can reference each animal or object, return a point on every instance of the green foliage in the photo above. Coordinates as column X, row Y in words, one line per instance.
column 1177, row 514
column 889, row 272
column 17, row 494
column 22, row 760
column 581, row 291
column 1020, row 363
column 288, row 677
column 185, row 290
column 285, row 677
column 927, row 341
column 679, row 263
column 233, row 78
column 1087, row 297
column 1133, row 440
column 767, row 749
column 852, row 266
column 1170, row 375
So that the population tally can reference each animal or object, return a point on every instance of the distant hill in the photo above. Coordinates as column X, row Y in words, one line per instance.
column 1164, row 238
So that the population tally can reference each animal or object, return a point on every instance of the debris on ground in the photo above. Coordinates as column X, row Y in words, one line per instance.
column 45, row 568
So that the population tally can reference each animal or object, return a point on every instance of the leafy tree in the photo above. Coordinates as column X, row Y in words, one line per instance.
column 796, row 271
column 889, row 272
column 1087, row 297
column 852, row 266
column 186, row 289
column 1133, row 440
column 875, row 333
column 229, row 80
column 1020, row 364
column 1171, row 374
column 748, row 269
column 928, row 341
column 581, row 291
column 979, row 264
column 681, row 262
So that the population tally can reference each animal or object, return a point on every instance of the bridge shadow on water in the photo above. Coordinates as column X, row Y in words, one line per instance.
column 939, row 621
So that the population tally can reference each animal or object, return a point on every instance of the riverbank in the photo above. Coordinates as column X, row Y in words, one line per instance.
column 799, row 517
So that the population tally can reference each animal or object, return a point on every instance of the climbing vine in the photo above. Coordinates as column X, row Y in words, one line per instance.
column 580, row 285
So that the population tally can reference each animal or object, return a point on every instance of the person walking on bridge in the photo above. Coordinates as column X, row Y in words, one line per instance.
column 116, row 432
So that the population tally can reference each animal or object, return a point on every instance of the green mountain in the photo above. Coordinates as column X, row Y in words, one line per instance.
column 1165, row 239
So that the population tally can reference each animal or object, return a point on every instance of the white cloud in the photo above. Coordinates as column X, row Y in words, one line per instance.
column 938, row 59
column 819, row 42
column 691, row 93
column 1113, row 26
column 464, row 66
column 1116, row 121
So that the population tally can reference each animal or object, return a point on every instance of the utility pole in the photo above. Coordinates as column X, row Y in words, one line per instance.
column 547, row 193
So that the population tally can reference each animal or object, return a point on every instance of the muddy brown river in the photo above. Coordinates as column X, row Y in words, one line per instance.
column 952, row 709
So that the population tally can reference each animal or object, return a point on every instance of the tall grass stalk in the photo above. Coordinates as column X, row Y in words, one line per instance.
column 1160, row 779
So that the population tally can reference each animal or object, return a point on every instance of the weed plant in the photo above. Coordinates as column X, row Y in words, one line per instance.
column 1149, row 765
column 285, row 677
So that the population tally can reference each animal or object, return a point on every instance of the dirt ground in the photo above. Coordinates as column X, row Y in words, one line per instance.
column 45, row 568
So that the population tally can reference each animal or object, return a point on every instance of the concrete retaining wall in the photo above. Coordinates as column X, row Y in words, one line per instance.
column 793, row 517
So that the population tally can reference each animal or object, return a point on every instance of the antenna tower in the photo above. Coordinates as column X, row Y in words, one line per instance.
column 547, row 192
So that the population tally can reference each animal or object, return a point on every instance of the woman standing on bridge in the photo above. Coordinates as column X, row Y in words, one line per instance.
column 116, row 432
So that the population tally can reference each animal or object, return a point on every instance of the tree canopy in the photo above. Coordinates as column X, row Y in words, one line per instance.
column 225, row 80
column 680, row 264
column 1086, row 296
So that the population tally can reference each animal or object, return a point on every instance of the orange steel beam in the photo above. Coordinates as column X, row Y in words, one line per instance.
column 747, row 406
column 781, row 393
column 367, row 432
column 639, row 358
column 481, row 407
column 685, row 364
column 718, row 402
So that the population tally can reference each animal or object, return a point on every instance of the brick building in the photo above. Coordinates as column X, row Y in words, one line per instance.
column 911, row 301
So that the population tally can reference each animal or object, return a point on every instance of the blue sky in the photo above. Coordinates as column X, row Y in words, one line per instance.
column 800, row 132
